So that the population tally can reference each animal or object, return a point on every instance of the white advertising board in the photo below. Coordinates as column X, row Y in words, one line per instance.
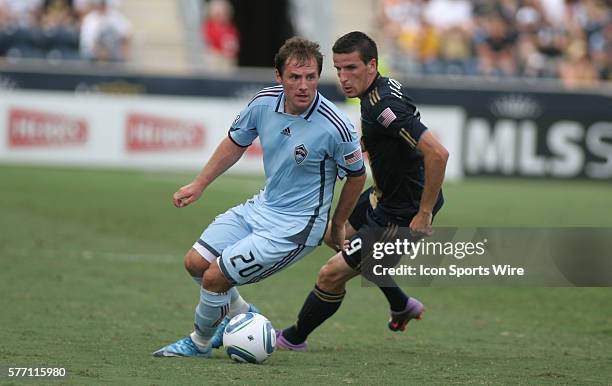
column 53, row 128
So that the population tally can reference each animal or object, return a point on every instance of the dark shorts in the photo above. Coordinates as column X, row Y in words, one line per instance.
column 363, row 253
column 375, row 226
column 358, row 216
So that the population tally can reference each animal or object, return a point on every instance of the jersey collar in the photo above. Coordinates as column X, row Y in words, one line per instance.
column 307, row 115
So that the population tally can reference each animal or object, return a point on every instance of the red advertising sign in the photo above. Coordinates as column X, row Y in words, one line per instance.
column 42, row 129
column 154, row 133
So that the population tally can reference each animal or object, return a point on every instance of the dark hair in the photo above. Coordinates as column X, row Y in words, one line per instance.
column 357, row 41
column 299, row 49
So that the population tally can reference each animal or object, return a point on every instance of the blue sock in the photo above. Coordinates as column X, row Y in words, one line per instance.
column 237, row 303
column 210, row 311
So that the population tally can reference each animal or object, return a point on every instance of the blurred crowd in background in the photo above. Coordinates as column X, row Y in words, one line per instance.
column 57, row 30
column 570, row 40
column 566, row 39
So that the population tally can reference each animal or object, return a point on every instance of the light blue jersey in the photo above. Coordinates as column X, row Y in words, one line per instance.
column 302, row 156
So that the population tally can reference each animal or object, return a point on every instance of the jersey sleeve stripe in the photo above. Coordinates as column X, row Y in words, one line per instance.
column 342, row 134
column 353, row 173
column 277, row 87
column 270, row 89
column 236, row 143
column 404, row 134
column 340, row 120
column 263, row 95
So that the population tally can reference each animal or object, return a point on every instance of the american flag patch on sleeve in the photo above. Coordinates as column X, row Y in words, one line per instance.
column 386, row 117
column 353, row 157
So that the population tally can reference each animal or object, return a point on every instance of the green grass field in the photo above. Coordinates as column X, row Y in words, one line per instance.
column 91, row 279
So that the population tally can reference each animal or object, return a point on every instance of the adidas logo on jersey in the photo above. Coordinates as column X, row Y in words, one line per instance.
column 286, row 132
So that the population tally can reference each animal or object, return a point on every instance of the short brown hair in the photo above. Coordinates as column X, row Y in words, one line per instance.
column 357, row 41
column 299, row 49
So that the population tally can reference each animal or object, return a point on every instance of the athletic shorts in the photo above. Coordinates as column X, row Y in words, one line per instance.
column 360, row 255
column 243, row 256
column 359, row 215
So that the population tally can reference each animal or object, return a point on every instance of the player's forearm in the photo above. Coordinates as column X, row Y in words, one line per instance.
column 435, row 167
column 226, row 155
column 348, row 198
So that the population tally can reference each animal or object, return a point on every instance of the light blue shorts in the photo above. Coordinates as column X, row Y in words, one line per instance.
column 243, row 256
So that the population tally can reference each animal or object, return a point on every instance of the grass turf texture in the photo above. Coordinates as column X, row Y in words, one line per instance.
column 91, row 279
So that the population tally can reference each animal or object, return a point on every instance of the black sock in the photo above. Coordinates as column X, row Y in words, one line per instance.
column 318, row 307
column 395, row 296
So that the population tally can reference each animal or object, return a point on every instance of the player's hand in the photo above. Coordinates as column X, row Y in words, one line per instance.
column 186, row 195
column 338, row 234
column 421, row 224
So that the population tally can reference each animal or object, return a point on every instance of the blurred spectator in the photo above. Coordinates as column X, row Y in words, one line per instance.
column 447, row 14
column 566, row 39
column 19, row 36
column 603, row 54
column 83, row 7
column 531, row 62
column 22, row 12
column 577, row 70
column 495, row 48
column 53, row 30
column 451, row 21
column 220, row 33
column 105, row 33
column 404, row 34
column 60, row 30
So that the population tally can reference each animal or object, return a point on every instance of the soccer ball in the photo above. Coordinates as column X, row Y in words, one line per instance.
column 249, row 337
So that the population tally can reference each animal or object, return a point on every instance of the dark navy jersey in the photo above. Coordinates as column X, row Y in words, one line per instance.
column 391, row 128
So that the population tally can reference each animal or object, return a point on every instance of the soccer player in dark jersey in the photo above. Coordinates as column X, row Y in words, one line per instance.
column 408, row 166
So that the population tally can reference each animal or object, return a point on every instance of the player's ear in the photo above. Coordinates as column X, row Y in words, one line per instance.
column 372, row 66
column 277, row 75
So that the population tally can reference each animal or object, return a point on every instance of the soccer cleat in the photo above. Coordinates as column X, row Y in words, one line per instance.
column 217, row 339
column 283, row 344
column 414, row 310
column 182, row 348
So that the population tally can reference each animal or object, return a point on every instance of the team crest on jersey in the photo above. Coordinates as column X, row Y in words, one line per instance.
column 300, row 153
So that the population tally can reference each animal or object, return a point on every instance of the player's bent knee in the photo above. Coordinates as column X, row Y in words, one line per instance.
column 215, row 281
column 195, row 264
column 331, row 279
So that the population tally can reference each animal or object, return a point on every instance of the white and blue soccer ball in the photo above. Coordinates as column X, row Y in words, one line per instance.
column 249, row 337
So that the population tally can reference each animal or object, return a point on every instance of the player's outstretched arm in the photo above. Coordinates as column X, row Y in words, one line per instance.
column 435, row 157
column 226, row 154
column 348, row 198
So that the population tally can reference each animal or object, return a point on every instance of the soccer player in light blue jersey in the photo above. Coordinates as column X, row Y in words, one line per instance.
column 307, row 142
